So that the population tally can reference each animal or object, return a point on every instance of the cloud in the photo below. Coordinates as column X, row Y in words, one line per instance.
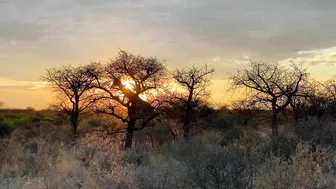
column 21, row 31
column 12, row 84
column 316, row 56
column 237, row 24
column 177, row 30
column 40, row 34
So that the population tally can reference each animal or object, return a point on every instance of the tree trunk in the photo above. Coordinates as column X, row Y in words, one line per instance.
column 186, row 123
column 296, row 116
column 275, row 129
column 75, row 117
column 296, row 113
column 245, row 120
column 186, row 130
column 74, row 125
column 129, row 133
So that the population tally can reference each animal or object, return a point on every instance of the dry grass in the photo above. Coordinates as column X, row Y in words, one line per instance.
column 94, row 161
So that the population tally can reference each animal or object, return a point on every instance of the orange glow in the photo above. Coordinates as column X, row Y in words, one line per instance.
column 128, row 84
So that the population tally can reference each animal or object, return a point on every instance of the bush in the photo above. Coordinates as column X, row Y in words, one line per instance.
column 94, row 123
column 282, row 146
column 249, row 159
column 303, row 171
column 5, row 127
column 198, row 163
column 317, row 131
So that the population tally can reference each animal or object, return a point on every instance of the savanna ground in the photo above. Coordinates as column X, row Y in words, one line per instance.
column 40, row 152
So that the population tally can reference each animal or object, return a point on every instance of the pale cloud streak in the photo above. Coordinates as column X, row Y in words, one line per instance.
column 325, row 56
column 12, row 84
column 21, row 94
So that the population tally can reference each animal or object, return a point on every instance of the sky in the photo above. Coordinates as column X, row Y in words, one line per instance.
column 36, row 35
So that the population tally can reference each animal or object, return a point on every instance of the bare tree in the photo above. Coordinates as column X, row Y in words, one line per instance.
column 194, row 82
column 271, row 85
column 126, row 80
column 330, row 94
column 73, row 86
column 306, row 102
column 245, row 109
column 2, row 104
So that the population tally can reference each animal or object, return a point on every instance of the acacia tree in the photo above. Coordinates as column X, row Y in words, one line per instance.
column 124, row 81
column 245, row 109
column 330, row 94
column 194, row 82
column 271, row 85
column 73, row 86
column 308, row 101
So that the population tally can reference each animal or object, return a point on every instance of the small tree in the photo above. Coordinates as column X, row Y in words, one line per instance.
column 126, row 80
column 194, row 82
column 75, row 85
column 307, row 102
column 330, row 94
column 272, row 86
column 245, row 109
column 2, row 104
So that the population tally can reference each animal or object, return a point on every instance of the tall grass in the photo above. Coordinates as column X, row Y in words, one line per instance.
column 38, row 156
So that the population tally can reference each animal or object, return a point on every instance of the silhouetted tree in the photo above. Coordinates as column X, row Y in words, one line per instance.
column 194, row 82
column 303, row 102
column 330, row 94
column 143, row 75
column 271, row 85
column 245, row 109
column 73, row 85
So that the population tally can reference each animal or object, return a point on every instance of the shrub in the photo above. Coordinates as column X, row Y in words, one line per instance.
column 251, row 159
column 317, row 131
column 197, row 163
column 94, row 123
column 303, row 171
column 5, row 127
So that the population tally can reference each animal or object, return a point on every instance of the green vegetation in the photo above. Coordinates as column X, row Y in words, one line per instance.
column 12, row 119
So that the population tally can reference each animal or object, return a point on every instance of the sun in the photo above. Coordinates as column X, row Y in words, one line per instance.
column 130, row 85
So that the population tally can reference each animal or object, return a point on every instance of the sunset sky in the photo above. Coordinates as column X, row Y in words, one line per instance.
column 36, row 35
